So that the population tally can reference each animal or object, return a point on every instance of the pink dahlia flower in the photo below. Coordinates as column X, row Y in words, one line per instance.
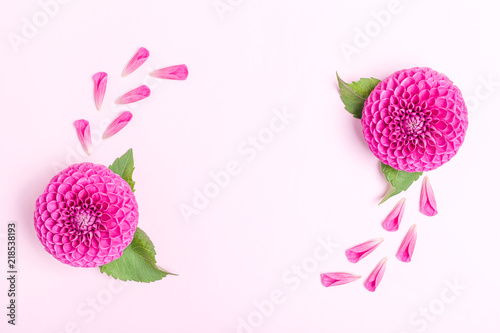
column 87, row 216
column 415, row 120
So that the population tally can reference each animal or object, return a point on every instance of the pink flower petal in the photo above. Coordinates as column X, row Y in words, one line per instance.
column 392, row 221
column 336, row 279
column 179, row 72
column 83, row 132
column 376, row 275
column 100, row 83
column 120, row 122
column 427, row 200
column 137, row 60
column 407, row 246
column 358, row 252
column 134, row 95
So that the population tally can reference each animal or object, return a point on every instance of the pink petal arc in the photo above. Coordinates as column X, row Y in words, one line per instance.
column 392, row 221
column 100, row 83
column 120, row 122
column 83, row 132
column 137, row 60
column 178, row 72
column 337, row 279
column 428, row 204
column 134, row 95
column 358, row 252
column 407, row 246
column 376, row 275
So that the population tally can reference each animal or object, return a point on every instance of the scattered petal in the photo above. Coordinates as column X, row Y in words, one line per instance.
column 336, row 279
column 134, row 95
column 358, row 252
column 407, row 246
column 100, row 83
column 179, row 72
column 427, row 200
column 392, row 221
column 376, row 275
column 120, row 122
column 137, row 60
column 83, row 132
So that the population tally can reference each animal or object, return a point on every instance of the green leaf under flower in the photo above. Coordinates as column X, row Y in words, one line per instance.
column 138, row 262
column 124, row 167
column 354, row 94
column 399, row 180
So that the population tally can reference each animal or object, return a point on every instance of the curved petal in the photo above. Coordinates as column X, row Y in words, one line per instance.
column 392, row 221
column 120, row 122
column 376, row 275
column 134, row 95
column 178, row 72
column 358, row 252
column 83, row 132
column 428, row 204
column 337, row 279
column 407, row 246
column 137, row 60
column 100, row 83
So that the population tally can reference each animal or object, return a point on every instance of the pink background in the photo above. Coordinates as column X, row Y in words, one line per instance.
column 250, row 261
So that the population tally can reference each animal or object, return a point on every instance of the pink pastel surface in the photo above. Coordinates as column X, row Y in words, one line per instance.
column 292, row 207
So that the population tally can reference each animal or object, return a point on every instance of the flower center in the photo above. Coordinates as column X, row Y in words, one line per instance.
column 84, row 220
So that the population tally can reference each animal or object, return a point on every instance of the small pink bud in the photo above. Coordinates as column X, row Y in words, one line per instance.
column 358, row 252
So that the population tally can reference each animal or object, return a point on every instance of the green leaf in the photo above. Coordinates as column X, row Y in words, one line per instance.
column 354, row 94
column 138, row 262
column 124, row 167
column 399, row 180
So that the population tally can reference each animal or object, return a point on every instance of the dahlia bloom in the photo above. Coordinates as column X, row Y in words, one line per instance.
column 86, row 216
column 415, row 120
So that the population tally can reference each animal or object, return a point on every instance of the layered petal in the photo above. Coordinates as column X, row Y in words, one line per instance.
column 137, row 60
column 376, row 275
column 415, row 120
column 407, row 246
column 392, row 221
column 83, row 132
column 358, row 252
column 120, row 122
column 178, row 72
column 428, row 204
column 100, row 83
column 134, row 95
column 337, row 279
